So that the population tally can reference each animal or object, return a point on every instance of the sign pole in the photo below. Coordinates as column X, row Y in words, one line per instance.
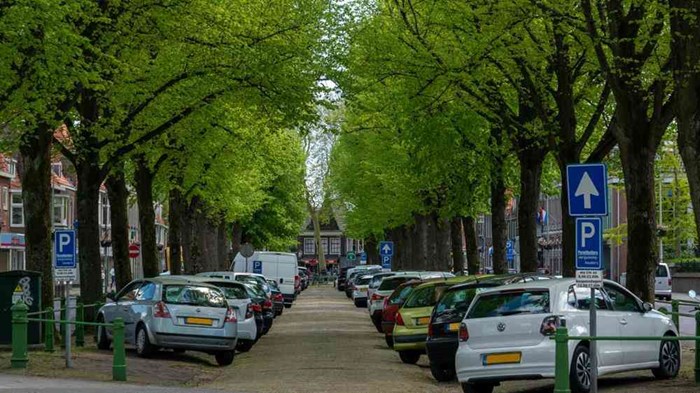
column 594, row 344
column 67, row 338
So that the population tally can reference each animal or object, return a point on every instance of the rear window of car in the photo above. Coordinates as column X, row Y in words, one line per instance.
column 399, row 296
column 389, row 284
column 456, row 299
column 661, row 271
column 421, row 297
column 532, row 301
column 193, row 295
column 232, row 291
column 363, row 281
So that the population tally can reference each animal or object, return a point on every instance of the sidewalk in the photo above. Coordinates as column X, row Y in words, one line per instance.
column 24, row 384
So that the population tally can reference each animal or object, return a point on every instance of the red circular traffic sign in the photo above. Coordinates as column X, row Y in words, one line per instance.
column 134, row 251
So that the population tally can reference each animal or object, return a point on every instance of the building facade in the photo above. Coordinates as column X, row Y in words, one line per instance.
column 333, row 242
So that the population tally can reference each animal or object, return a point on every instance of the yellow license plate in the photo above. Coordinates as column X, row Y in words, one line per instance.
column 454, row 327
column 502, row 358
column 423, row 321
column 199, row 321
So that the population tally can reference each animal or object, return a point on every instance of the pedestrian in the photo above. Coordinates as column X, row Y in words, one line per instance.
column 112, row 279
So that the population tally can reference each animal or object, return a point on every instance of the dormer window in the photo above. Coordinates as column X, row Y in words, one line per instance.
column 57, row 168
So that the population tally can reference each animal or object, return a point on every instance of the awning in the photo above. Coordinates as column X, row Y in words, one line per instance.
column 331, row 261
column 312, row 262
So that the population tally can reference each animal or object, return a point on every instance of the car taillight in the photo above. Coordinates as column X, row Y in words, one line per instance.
column 297, row 281
column 376, row 297
column 231, row 315
column 550, row 325
column 463, row 332
column 249, row 311
column 279, row 298
column 399, row 319
column 256, row 307
column 160, row 310
column 669, row 282
column 430, row 330
column 267, row 304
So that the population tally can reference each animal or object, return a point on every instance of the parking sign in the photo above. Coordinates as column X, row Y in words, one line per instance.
column 257, row 267
column 589, row 243
column 64, row 248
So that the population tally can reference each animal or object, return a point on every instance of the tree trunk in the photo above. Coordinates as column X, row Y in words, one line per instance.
column 89, row 181
column 317, row 239
column 35, row 149
column 431, row 241
column 638, row 167
column 568, row 226
column 530, row 176
column 498, row 224
column 469, row 225
column 118, row 195
column 189, row 248
column 223, row 248
column 443, row 261
column 372, row 250
column 685, row 49
column 147, row 218
column 175, row 217
column 457, row 244
column 237, row 238
column 407, row 253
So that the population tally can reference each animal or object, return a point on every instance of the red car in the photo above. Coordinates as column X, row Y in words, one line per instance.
column 392, row 304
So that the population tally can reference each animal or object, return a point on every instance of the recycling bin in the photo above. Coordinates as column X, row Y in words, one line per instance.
column 25, row 286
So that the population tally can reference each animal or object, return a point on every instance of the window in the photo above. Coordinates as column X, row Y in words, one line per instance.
column 60, row 210
column 309, row 246
column 535, row 301
column 192, row 295
column 104, row 209
column 232, row 291
column 458, row 299
column 17, row 214
column 129, row 292
column 146, row 292
column 5, row 199
column 422, row 297
column 9, row 167
column 580, row 298
column 621, row 299
column 661, row 271
column 57, row 168
column 17, row 260
column 335, row 246
column 349, row 245
column 324, row 245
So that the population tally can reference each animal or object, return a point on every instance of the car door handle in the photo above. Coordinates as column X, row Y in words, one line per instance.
column 623, row 322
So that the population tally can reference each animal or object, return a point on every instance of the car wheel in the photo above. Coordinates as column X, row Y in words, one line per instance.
column 102, row 339
column 476, row 388
column 244, row 346
column 378, row 325
column 144, row 348
column 409, row 357
column 580, row 371
column 389, row 341
column 442, row 373
column 224, row 358
column 669, row 360
column 287, row 305
column 178, row 350
column 281, row 311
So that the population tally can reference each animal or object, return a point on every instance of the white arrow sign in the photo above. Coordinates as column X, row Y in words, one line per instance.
column 386, row 249
column 586, row 188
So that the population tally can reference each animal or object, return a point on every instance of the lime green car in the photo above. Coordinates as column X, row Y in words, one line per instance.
column 413, row 319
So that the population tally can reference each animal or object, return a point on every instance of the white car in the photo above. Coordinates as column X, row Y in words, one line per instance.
column 662, row 286
column 506, row 334
column 359, row 290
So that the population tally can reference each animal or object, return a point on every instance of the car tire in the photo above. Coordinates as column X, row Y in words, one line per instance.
column 178, row 350
column 477, row 388
column 287, row 305
column 244, row 346
column 669, row 360
column 144, row 348
column 224, row 358
column 389, row 341
column 409, row 357
column 102, row 339
column 580, row 370
column 442, row 373
column 378, row 325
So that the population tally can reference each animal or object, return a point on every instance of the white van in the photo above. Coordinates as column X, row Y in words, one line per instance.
column 662, row 287
column 278, row 266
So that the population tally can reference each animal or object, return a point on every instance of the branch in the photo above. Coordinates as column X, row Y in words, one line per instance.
column 595, row 37
column 595, row 118
column 161, row 160
column 606, row 143
column 65, row 151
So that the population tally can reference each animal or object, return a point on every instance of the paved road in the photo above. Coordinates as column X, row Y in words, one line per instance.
column 24, row 384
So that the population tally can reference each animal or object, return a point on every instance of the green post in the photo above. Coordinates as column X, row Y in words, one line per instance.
column 561, row 357
column 48, row 330
column 62, row 316
column 19, row 357
column 697, row 347
column 79, row 328
column 119, row 361
column 674, row 314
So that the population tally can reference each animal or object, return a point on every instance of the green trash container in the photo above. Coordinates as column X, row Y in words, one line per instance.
column 19, row 285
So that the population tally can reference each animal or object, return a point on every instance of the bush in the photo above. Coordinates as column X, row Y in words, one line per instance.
column 685, row 265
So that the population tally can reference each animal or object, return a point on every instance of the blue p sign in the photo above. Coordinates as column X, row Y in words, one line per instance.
column 64, row 248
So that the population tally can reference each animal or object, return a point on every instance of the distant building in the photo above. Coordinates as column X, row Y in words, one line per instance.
column 333, row 241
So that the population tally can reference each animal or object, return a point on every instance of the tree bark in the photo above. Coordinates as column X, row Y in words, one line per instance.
column 443, row 261
column 317, row 239
column 469, row 225
column 237, row 238
column 89, row 181
column 35, row 149
column 118, row 195
column 372, row 250
column 458, row 263
column 147, row 218
column 530, row 176
column 568, row 238
column 431, row 241
column 175, row 217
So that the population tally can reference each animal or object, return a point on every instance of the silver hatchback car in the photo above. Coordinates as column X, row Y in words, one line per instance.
column 172, row 313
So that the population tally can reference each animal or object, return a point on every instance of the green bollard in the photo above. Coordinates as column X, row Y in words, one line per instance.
column 79, row 328
column 674, row 314
column 119, row 361
column 697, row 347
column 19, row 357
column 561, row 367
column 63, row 314
column 48, row 330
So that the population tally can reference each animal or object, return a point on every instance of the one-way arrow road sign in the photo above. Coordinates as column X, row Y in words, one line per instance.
column 587, row 189
column 386, row 248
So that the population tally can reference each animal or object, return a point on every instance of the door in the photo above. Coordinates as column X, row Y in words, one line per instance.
column 269, row 267
column 123, row 309
column 610, row 353
column 286, row 270
column 630, row 315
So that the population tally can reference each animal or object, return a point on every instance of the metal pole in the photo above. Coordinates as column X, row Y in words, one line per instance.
column 67, row 337
column 697, row 347
column 593, row 346
column 119, row 357
column 20, row 355
column 561, row 365
column 661, row 217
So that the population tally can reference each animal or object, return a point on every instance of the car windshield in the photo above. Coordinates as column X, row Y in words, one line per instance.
column 273, row 285
column 389, row 284
column 193, row 295
column 231, row 290
column 399, row 296
column 377, row 279
column 252, row 280
column 525, row 301
column 456, row 299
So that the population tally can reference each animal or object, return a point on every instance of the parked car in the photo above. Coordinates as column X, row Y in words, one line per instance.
column 279, row 266
column 376, row 280
column 663, row 288
column 442, row 343
column 277, row 298
column 506, row 334
column 376, row 301
column 241, row 277
column 267, row 308
column 413, row 318
column 359, row 290
column 392, row 304
column 342, row 277
column 163, row 312
column 304, row 277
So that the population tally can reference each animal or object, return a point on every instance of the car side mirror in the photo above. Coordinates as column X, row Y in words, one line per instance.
column 647, row 307
column 281, row 280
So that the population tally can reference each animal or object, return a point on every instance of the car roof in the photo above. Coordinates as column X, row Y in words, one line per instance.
column 447, row 281
column 556, row 284
column 165, row 280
